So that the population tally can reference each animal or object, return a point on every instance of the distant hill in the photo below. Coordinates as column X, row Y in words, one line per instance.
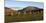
column 9, row 11
column 29, row 8
column 6, row 8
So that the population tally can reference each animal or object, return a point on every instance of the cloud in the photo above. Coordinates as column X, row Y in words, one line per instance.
column 7, row 0
column 32, row 0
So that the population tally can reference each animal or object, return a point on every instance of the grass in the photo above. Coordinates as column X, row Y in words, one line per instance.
column 24, row 17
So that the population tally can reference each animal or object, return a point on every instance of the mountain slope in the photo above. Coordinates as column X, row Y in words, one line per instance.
column 31, row 8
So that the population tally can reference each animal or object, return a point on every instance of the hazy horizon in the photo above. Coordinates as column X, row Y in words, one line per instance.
column 22, row 4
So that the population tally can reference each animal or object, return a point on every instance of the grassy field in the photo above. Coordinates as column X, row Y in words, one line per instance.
column 24, row 17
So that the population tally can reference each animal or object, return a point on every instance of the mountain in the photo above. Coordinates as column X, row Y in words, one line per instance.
column 29, row 8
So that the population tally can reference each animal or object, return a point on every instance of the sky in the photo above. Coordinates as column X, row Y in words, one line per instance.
column 22, row 4
column 32, row 0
